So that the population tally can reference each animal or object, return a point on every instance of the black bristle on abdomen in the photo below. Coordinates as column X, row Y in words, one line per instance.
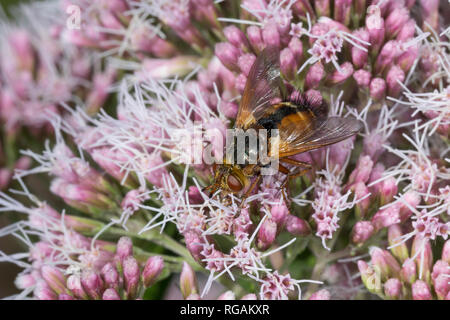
column 316, row 105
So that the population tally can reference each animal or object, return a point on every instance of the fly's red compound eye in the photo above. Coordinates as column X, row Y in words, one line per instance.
column 234, row 184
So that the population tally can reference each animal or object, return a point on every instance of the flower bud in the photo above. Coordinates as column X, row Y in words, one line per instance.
column 370, row 277
column 400, row 251
column 393, row 288
column 394, row 76
column 245, row 63
column 250, row 296
column 441, row 285
column 388, row 189
column 188, row 281
column 396, row 20
column 385, row 262
column 314, row 75
column 322, row 7
column 340, row 76
column 342, row 9
column 65, row 296
column 228, row 55
column 124, row 248
column 54, row 278
column 362, row 78
column 43, row 292
column 110, row 275
column 430, row 14
column 362, row 170
column 421, row 291
column 236, row 37
column 320, row 295
column 228, row 295
column 271, row 36
column 279, row 214
column 375, row 27
column 446, row 252
column 255, row 38
column 296, row 47
column 377, row 89
column 359, row 56
column 267, row 233
column 288, row 64
column 241, row 80
column 110, row 294
column 297, row 226
column 131, row 275
column 408, row 273
column 152, row 269
column 407, row 31
column 362, row 231
column 92, row 284
column 74, row 285
column 425, row 253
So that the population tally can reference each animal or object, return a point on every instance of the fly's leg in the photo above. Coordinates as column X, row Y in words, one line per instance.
column 254, row 184
column 303, row 168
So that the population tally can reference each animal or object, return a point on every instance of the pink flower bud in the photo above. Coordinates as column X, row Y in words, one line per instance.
column 124, row 248
column 255, row 38
column 407, row 31
column 296, row 47
column 342, row 9
column 110, row 275
column 421, row 291
column 24, row 281
column 43, row 292
column 131, row 275
column 227, row 295
column 396, row 20
column 362, row 231
column 241, row 80
column 245, row 63
column 320, row 295
column 430, row 14
column 270, row 35
column 54, row 278
column 236, row 37
column 250, row 296
column 424, row 246
column 110, row 294
column 152, row 270
column 362, row 171
column 228, row 55
column 407, row 59
column 441, row 286
column 386, row 217
column 359, row 56
column 385, row 262
column 340, row 76
column 393, row 288
column 362, row 195
column 314, row 75
column 362, row 78
column 92, row 284
column 394, row 76
column 97, row 96
column 188, row 281
column 267, row 234
column 194, row 244
column 388, row 189
column 400, row 251
column 413, row 199
column 387, row 55
column 279, row 214
column 440, row 267
column 369, row 277
column 288, row 64
column 409, row 271
column 446, row 252
column 322, row 7
column 74, row 285
column 377, row 89
column 375, row 27
column 65, row 296
column 297, row 226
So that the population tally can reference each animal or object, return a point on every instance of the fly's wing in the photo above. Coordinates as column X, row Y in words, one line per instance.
column 297, row 135
column 262, row 87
